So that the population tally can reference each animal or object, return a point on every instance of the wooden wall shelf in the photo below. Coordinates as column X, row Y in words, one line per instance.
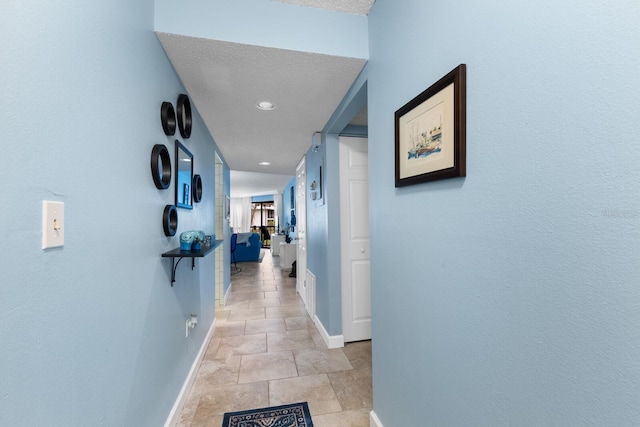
column 178, row 253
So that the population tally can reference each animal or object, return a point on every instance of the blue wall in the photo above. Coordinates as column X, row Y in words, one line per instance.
column 510, row 297
column 93, row 333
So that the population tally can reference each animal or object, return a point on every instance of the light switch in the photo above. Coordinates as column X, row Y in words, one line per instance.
column 52, row 224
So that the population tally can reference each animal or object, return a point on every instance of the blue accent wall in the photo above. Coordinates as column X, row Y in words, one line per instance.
column 92, row 333
column 510, row 297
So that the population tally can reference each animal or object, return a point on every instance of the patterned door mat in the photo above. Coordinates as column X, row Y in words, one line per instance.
column 294, row 415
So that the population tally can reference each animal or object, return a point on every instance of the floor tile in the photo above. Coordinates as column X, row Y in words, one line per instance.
column 317, row 339
column 289, row 340
column 218, row 372
column 246, row 296
column 266, row 302
column 288, row 293
column 217, row 401
column 237, row 305
column 189, row 408
column 297, row 323
column 359, row 354
column 312, row 361
column 267, row 366
column 229, row 329
column 264, row 326
column 359, row 418
column 285, row 311
column 241, row 345
column 249, row 288
column 316, row 390
column 353, row 388
column 249, row 314
column 212, row 348
column 221, row 316
column 291, row 301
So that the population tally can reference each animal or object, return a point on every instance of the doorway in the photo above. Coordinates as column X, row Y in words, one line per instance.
column 263, row 221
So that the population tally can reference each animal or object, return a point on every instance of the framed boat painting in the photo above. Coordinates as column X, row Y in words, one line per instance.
column 430, row 132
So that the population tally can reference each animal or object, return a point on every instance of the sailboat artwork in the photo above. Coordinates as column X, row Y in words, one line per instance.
column 425, row 134
column 430, row 132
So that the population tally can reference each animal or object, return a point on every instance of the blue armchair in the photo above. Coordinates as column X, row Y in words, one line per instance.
column 250, row 252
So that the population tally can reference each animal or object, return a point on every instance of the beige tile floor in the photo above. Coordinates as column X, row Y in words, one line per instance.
column 266, row 351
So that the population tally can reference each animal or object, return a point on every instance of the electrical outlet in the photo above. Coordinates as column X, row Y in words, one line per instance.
column 52, row 224
column 192, row 321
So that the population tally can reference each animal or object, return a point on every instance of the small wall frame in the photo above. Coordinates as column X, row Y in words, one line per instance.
column 430, row 132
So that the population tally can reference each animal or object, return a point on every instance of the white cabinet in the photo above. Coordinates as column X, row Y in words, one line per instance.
column 276, row 239
column 288, row 253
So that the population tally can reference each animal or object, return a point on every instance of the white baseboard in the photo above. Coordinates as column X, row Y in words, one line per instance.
column 174, row 415
column 335, row 341
column 373, row 420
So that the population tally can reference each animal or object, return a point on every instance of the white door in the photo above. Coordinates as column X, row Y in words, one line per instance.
column 354, row 239
column 301, row 227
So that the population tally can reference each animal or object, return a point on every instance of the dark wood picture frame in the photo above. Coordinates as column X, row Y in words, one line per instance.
column 430, row 132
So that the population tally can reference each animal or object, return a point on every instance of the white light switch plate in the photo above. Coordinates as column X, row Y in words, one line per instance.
column 52, row 224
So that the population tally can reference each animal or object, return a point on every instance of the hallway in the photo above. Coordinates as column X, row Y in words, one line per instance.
column 266, row 351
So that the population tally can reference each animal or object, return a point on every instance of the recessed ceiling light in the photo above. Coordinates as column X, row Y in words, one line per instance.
column 264, row 163
column 265, row 105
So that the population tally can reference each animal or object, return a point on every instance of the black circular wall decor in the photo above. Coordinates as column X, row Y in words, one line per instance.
column 197, row 188
column 170, row 220
column 161, row 166
column 168, row 117
column 184, row 115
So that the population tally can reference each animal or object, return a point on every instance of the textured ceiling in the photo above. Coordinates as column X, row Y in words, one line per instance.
column 356, row 7
column 226, row 80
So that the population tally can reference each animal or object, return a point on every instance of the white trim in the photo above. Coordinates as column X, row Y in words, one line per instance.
column 335, row 341
column 174, row 415
column 374, row 421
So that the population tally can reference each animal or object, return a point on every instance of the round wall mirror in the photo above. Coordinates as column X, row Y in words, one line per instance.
column 168, row 117
column 161, row 166
column 170, row 220
column 197, row 188
column 184, row 115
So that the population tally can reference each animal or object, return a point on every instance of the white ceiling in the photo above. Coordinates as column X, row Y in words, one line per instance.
column 226, row 80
